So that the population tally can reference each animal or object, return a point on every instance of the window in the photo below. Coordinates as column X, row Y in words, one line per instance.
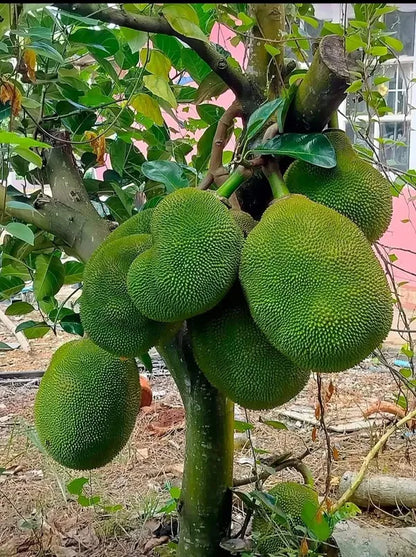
column 394, row 129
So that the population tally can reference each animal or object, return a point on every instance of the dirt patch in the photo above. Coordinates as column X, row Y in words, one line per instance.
column 38, row 514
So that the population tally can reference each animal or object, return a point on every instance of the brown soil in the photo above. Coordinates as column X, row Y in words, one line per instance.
column 39, row 517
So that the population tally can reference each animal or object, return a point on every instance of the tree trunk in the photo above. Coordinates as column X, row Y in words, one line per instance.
column 381, row 491
column 205, row 504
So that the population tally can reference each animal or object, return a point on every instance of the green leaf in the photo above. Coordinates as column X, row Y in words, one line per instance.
column 94, row 97
column 135, row 39
column 260, row 116
column 76, row 486
column 393, row 43
column 316, row 523
column 158, row 63
column 171, row 47
column 407, row 351
column 393, row 257
column 211, row 86
column 314, row 148
column 168, row 173
column 46, row 50
column 29, row 156
column 406, row 372
column 272, row 50
column 194, row 65
column 11, row 138
column 146, row 361
column 378, row 51
column 5, row 348
column 10, row 285
column 210, row 113
column 88, row 501
column 148, row 106
column 101, row 43
column 352, row 42
column 355, row 86
column 184, row 19
column 160, row 87
column 33, row 329
column 19, row 308
column 49, row 276
column 21, row 206
column 242, row 426
column 73, row 272
column 21, row 231
column 274, row 424
column 72, row 324
column 333, row 28
column 380, row 80
column 204, row 148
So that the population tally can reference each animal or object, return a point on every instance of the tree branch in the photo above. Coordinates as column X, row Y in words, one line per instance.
column 219, row 142
column 322, row 89
column 373, row 453
column 236, row 81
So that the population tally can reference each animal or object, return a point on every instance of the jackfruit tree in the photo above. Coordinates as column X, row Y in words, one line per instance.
column 248, row 270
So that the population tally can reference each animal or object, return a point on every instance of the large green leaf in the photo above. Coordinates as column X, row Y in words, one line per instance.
column 19, row 308
column 29, row 155
column 316, row 523
column 204, row 148
column 184, row 19
column 33, row 329
column 194, row 65
column 46, row 50
column 168, row 173
column 21, row 231
column 135, row 39
column 148, row 106
column 10, row 285
column 73, row 272
column 211, row 86
column 210, row 113
column 260, row 116
column 160, row 87
column 72, row 324
column 101, row 43
column 314, row 148
column 11, row 138
column 49, row 276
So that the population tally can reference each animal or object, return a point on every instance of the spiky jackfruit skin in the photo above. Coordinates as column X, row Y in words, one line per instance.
column 237, row 358
column 314, row 285
column 193, row 261
column 354, row 187
column 108, row 314
column 86, row 405
column 244, row 221
column 137, row 224
column 291, row 498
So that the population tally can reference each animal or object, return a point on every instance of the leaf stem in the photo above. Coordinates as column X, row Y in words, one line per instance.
column 277, row 185
column 232, row 182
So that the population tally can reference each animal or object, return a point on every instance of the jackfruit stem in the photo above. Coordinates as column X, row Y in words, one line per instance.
column 232, row 183
column 277, row 185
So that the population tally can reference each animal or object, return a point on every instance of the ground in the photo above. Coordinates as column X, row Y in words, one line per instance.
column 39, row 517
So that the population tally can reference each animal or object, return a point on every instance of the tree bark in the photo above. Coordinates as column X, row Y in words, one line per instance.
column 322, row 90
column 205, row 503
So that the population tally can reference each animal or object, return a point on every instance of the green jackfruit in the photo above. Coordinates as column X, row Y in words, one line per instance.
column 244, row 221
column 107, row 312
column 291, row 498
column 354, row 187
column 86, row 405
column 314, row 285
column 137, row 224
column 237, row 358
column 193, row 261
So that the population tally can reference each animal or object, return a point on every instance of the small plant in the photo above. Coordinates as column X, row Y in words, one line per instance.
column 76, row 487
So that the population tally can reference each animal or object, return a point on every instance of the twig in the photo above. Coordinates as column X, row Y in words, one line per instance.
column 327, row 437
column 237, row 82
column 219, row 142
column 372, row 454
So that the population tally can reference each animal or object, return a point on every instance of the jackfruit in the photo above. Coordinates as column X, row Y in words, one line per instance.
column 86, row 405
column 291, row 498
column 107, row 312
column 353, row 187
column 137, row 224
column 237, row 358
column 244, row 220
column 193, row 261
column 314, row 285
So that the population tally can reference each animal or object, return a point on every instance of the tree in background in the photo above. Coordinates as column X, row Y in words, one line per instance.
column 83, row 85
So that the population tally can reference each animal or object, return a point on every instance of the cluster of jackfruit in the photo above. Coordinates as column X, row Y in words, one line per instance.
column 265, row 303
